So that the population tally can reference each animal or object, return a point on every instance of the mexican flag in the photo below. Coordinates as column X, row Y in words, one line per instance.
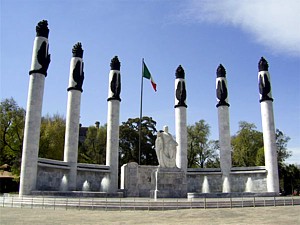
column 147, row 74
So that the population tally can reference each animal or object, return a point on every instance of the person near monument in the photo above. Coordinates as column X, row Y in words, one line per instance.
column 165, row 147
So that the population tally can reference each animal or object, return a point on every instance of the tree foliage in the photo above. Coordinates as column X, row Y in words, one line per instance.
column 290, row 179
column 248, row 150
column 129, row 141
column 260, row 157
column 200, row 150
column 214, row 160
column 12, row 119
column 246, row 145
column 94, row 147
column 52, row 137
column 281, row 143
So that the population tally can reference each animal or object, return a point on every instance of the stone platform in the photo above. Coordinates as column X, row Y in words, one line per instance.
column 168, row 183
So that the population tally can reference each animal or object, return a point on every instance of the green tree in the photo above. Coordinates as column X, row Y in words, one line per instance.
column 281, row 143
column 214, row 160
column 200, row 150
column 94, row 147
column 129, row 141
column 287, row 173
column 260, row 157
column 12, row 120
column 52, row 137
column 246, row 145
column 290, row 179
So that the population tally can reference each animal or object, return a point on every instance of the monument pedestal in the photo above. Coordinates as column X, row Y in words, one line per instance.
column 168, row 183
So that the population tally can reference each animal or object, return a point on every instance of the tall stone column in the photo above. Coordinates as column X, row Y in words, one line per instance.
column 38, row 72
column 113, row 114
column 180, row 119
column 224, row 126
column 223, row 120
column 73, row 114
column 268, row 126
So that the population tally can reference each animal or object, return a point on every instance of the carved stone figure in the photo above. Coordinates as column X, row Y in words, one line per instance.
column 263, row 65
column 181, row 93
column 77, row 71
column 264, row 87
column 115, row 64
column 264, row 84
column 221, row 90
column 180, row 74
column 42, row 55
column 180, row 88
column 115, row 83
column 165, row 147
column 78, row 75
column 42, row 29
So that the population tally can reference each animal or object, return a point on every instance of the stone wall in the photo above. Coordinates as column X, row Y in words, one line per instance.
column 94, row 175
column 195, row 179
column 51, row 176
column 254, row 177
column 136, row 180
column 238, row 178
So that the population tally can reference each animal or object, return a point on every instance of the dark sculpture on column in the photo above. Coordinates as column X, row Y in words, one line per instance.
column 180, row 89
column 115, row 84
column 76, row 78
column 38, row 72
column 224, row 127
column 78, row 73
column 221, row 91
column 264, row 81
column 113, row 117
column 268, row 126
column 180, row 119
column 43, row 58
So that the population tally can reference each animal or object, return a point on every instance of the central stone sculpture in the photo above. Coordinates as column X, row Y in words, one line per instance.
column 167, row 181
column 165, row 147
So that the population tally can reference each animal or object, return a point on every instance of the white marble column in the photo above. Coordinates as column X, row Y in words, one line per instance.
column 113, row 114
column 180, row 119
column 224, row 126
column 73, row 115
column 268, row 126
column 224, row 140
column 38, row 72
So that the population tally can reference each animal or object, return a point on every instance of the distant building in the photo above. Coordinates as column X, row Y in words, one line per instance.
column 83, row 131
column 7, row 182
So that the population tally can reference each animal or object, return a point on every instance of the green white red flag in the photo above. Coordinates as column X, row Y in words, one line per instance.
column 147, row 75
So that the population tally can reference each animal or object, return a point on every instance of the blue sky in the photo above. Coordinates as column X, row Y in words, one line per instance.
column 199, row 35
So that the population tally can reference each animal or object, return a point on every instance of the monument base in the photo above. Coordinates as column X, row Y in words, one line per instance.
column 168, row 183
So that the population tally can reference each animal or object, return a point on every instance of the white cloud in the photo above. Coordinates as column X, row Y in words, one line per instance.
column 273, row 23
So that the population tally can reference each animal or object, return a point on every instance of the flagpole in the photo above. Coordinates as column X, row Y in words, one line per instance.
column 141, row 114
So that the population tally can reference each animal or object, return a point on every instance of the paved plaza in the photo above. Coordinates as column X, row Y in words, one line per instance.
column 259, row 215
